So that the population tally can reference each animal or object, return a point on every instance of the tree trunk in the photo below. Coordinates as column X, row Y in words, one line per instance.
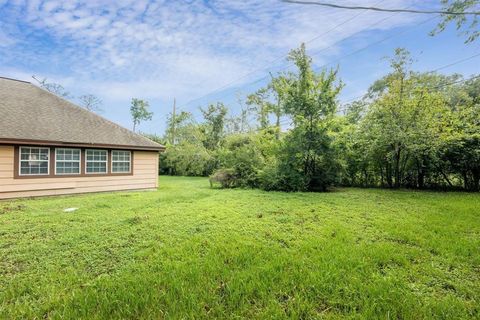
column 277, row 133
column 466, row 184
column 420, row 175
column 476, row 180
column 388, row 173
column 445, row 177
column 397, row 166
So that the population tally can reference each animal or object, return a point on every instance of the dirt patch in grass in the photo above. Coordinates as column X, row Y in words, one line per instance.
column 13, row 208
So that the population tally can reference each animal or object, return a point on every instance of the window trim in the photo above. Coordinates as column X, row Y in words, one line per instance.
column 19, row 162
column 51, row 167
column 129, row 162
column 79, row 163
column 107, row 171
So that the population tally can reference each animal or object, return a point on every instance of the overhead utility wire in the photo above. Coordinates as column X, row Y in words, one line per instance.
column 433, row 71
column 290, row 64
column 375, row 43
column 289, row 121
column 278, row 58
column 348, row 54
column 344, row 56
column 339, row 41
column 337, row 6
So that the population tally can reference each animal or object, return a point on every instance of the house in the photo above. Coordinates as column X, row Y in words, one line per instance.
column 49, row 146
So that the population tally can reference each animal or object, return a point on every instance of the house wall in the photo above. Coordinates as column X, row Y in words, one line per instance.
column 145, row 176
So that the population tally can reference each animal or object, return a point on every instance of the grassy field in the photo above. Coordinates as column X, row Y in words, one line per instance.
column 187, row 251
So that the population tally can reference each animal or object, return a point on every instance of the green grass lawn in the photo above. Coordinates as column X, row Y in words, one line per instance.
column 187, row 251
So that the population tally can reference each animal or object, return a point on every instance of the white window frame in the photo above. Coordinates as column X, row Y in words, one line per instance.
column 79, row 162
column 129, row 162
column 86, row 162
column 20, row 162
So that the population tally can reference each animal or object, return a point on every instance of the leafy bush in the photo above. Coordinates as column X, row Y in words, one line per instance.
column 187, row 159
column 277, row 177
column 225, row 177
column 242, row 154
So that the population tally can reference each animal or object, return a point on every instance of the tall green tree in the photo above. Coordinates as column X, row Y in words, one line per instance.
column 261, row 104
column 139, row 112
column 306, row 159
column 214, row 126
column 279, row 86
column 179, row 127
column 461, row 149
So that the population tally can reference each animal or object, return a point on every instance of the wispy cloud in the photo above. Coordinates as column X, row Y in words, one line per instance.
column 160, row 49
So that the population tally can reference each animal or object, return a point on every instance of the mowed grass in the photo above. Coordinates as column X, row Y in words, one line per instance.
column 188, row 251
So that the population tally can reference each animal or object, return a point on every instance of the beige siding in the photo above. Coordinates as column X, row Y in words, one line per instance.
column 145, row 176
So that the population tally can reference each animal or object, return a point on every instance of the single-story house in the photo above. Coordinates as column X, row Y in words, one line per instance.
column 49, row 146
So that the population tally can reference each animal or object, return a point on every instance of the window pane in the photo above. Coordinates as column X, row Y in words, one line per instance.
column 34, row 161
column 96, row 167
column 68, row 167
column 96, row 161
column 120, row 167
column 121, row 161
column 67, row 161
column 120, row 155
column 96, row 155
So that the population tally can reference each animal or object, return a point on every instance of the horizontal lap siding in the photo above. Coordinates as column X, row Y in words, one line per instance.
column 145, row 176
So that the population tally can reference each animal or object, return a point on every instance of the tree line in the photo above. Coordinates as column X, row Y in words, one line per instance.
column 139, row 108
column 411, row 130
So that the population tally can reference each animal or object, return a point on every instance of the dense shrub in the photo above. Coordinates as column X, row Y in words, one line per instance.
column 187, row 159
column 224, row 177
column 240, row 153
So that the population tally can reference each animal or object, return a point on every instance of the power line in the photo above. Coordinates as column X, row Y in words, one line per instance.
column 375, row 43
column 433, row 71
column 290, row 64
column 289, row 121
column 337, row 6
column 454, row 82
column 456, row 62
column 347, row 55
column 277, row 59
column 345, row 108
column 346, row 38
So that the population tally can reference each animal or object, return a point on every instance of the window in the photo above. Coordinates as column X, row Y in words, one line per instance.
column 67, row 161
column 96, row 161
column 34, row 161
column 121, row 161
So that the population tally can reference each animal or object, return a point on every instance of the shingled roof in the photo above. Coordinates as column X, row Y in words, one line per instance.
column 31, row 114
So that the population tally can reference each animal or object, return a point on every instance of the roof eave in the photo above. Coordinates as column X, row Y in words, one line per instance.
column 10, row 141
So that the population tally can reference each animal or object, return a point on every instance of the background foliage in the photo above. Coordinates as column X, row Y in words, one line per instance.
column 412, row 129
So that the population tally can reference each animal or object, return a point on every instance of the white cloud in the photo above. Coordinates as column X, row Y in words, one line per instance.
column 159, row 49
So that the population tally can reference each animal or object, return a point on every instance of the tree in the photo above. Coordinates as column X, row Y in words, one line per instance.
column 306, row 159
column 279, row 87
column 91, row 103
column 260, row 101
column 238, row 123
column 402, row 129
column 87, row 101
column 139, row 112
column 460, row 151
column 178, row 127
column 469, row 23
column 52, row 87
column 213, row 128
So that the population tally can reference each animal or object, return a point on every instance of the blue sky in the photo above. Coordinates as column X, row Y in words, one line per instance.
column 158, row 50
